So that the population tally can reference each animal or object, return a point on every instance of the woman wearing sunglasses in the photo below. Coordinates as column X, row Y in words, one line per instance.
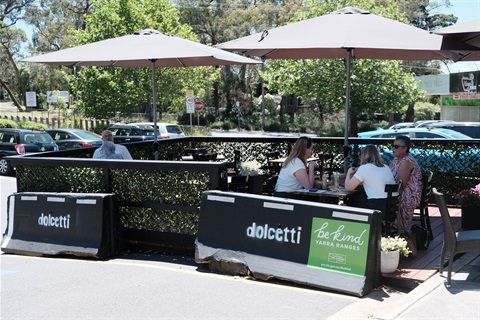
column 405, row 168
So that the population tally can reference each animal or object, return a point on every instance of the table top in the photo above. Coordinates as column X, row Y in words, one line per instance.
column 331, row 192
column 282, row 160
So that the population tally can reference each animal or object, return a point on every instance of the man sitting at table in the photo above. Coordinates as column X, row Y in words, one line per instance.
column 294, row 175
column 373, row 174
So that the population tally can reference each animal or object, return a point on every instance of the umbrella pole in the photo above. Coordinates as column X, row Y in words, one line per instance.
column 263, row 96
column 346, row 147
column 154, row 107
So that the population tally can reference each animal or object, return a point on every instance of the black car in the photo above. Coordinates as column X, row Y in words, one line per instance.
column 75, row 138
column 22, row 141
column 127, row 133
column 471, row 129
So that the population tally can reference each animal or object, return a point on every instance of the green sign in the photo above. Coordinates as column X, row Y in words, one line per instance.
column 339, row 246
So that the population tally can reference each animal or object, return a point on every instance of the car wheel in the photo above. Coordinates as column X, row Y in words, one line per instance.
column 5, row 168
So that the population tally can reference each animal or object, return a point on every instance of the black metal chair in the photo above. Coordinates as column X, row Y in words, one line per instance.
column 271, row 182
column 454, row 242
column 272, row 168
column 392, row 207
column 423, row 207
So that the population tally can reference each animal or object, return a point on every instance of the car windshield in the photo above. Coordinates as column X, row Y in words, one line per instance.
column 38, row 137
column 174, row 129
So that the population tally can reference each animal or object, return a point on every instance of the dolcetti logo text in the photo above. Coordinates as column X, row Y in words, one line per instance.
column 54, row 221
column 281, row 234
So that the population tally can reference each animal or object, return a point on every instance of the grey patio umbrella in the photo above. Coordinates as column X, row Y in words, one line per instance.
column 347, row 33
column 468, row 32
column 147, row 48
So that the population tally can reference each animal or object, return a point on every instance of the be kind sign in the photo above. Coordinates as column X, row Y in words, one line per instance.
column 338, row 245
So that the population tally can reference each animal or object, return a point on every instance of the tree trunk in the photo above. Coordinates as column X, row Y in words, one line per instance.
column 410, row 114
column 11, row 95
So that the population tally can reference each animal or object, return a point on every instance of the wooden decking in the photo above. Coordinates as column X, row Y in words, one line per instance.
column 412, row 271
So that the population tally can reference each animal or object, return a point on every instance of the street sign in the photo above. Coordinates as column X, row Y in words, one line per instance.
column 31, row 99
column 190, row 101
column 198, row 105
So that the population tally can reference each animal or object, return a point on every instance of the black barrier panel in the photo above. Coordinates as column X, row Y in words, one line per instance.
column 323, row 245
column 62, row 223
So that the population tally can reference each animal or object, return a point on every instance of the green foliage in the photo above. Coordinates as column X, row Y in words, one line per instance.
column 449, row 101
column 425, row 111
column 8, row 124
column 33, row 125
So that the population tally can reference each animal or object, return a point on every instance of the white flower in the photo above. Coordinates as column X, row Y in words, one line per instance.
column 252, row 166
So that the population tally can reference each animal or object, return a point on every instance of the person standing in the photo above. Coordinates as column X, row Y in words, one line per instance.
column 119, row 149
column 405, row 168
column 373, row 174
column 294, row 174
column 107, row 151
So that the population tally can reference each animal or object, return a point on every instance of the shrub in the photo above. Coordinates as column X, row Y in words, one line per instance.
column 33, row 125
column 8, row 124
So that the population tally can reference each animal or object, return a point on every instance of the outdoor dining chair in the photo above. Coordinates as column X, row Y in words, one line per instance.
column 423, row 207
column 392, row 208
column 454, row 242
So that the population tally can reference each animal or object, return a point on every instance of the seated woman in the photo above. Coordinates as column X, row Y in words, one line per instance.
column 406, row 169
column 373, row 174
column 293, row 174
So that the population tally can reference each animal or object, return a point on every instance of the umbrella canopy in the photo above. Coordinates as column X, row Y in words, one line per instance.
column 141, row 50
column 347, row 33
column 468, row 32
column 147, row 48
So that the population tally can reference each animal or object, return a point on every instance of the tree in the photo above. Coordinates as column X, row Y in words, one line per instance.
column 218, row 21
column 11, row 39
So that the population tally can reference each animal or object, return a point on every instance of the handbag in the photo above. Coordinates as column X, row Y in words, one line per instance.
column 420, row 236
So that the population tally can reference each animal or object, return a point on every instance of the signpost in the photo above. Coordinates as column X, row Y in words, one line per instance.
column 198, row 108
column 190, row 102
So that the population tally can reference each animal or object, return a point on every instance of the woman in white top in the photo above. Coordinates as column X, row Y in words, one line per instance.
column 294, row 174
column 373, row 174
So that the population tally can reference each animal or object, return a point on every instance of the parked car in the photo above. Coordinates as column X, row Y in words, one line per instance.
column 426, row 133
column 22, row 141
column 132, row 133
column 471, row 129
column 402, row 125
column 75, row 138
column 427, row 123
column 167, row 130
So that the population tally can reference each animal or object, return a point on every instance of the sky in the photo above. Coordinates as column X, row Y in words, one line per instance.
column 465, row 10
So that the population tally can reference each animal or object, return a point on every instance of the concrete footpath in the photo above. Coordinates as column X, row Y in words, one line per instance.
column 430, row 300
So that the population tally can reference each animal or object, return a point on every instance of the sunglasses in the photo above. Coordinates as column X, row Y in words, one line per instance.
column 396, row 146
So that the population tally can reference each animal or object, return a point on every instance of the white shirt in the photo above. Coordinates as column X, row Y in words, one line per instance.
column 287, row 182
column 120, row 149
column 374, row 179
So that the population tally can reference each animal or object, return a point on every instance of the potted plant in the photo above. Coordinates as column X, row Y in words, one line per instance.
column 250, row 168
column 469, row 200
column 391, row 249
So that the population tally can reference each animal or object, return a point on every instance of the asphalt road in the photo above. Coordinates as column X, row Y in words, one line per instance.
column 146, row 286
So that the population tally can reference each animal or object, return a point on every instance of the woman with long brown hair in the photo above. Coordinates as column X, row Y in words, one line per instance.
column 294, row 174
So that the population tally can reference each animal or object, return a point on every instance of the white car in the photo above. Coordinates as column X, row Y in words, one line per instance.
column 167, row 130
